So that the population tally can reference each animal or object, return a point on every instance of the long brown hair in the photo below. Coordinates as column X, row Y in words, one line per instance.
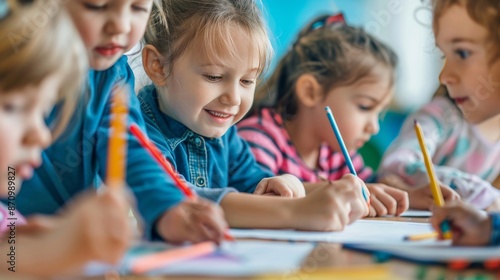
column 336, row 54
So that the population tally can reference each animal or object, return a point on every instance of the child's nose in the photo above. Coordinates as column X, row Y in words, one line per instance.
column 373, row 126
column 232, row 96
column 38, row 134
column 447, row 76
column 118, row 24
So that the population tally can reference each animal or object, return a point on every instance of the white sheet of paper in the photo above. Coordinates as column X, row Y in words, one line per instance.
column 245, row 258
column 239, row 258
column 416, row 213
column 434, row 252
column 361, row 231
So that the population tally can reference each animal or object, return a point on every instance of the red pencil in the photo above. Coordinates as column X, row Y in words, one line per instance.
column 155, row 152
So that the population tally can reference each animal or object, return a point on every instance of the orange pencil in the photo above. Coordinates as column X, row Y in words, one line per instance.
column 155, row 152
column 117, row 151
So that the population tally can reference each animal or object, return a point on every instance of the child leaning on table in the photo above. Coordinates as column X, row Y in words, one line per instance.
column 461, row 124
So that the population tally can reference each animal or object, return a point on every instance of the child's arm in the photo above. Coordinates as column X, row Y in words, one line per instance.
column 93, row 227
column 470, row 227
column 331, row 207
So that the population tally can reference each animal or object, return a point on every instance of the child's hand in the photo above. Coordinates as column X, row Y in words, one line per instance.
column 37, row 224
column 421, row 197
column 193, row 220
column 93, row 227
column 331, row 207
column 285, row 185
column 470, row 227
column 385, row 200
column 98, row 225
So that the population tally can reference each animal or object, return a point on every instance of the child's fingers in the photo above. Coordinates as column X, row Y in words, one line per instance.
column 401, row 199
column 378, row 206
column 36, row 224
column 281, row 189
column 341, row 219
column 388, row 201
column 420, row 199
column 261, row 187
column 212, row 217
column 449, row 194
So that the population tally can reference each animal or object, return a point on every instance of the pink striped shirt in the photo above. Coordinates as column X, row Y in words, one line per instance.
column 273, row 149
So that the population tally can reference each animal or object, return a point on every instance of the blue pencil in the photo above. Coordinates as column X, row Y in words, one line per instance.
column 343, row 148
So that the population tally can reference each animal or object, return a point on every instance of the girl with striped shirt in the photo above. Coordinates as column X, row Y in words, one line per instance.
column 330, row 64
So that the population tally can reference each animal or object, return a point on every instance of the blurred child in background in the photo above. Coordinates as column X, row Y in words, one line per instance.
column 462, row 122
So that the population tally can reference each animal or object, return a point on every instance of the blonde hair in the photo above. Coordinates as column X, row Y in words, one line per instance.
column 485, row 12
column 178, row 25
column 336, row 54
column 38, row 40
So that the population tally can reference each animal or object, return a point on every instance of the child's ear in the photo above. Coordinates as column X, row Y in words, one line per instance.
column 152, row 61
column 309, row 92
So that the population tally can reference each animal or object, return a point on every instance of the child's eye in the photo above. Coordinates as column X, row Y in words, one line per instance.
column 12, row 108
column 140, row 8
column 463, row 54
column 212, row 78
column 94, row 7
column 364, row 108
column 247, row 82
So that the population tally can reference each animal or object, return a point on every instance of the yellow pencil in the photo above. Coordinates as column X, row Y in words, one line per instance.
column 117, row 145
column 422, row 236
column 434, row 185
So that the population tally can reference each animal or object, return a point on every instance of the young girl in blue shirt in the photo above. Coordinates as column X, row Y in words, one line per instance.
column 204, row 58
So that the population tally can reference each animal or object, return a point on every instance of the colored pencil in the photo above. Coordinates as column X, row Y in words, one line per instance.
column 422, row 236
column 155, row 152
column 157, row 260
column 117, row 151
column 434, row 185
column 343, row 148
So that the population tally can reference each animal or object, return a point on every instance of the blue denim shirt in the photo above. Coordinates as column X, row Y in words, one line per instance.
column 495, row 228
column 78, row 159
column 208, row 163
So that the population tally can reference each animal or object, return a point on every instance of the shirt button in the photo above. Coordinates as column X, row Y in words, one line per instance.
column 197, row 141
column 200, row 181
